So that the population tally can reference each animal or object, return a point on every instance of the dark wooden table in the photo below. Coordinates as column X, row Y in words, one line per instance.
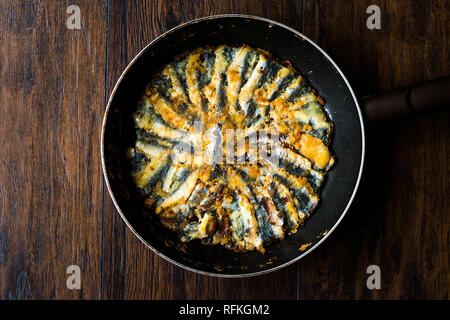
column 55, row 211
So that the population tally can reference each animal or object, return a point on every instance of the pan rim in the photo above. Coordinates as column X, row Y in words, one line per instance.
column 225, row 275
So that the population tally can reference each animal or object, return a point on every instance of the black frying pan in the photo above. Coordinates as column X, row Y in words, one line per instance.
column 322, row 73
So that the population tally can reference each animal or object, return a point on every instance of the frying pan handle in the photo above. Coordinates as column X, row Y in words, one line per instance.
column 402, row 102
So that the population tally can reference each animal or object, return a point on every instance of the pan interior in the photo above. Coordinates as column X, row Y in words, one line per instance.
column 346, row 144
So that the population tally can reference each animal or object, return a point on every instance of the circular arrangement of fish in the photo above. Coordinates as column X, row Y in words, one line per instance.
column 231, row 147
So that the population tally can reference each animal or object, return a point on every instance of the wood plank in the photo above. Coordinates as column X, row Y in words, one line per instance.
column 131, row 270
column 51, row 106
column 401, row 219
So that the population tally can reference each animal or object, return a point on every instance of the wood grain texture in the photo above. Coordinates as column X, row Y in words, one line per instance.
column 51, row 190
column 400, row 220
column 131, row 270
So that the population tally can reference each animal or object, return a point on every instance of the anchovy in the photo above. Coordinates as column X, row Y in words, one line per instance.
column 267, row 188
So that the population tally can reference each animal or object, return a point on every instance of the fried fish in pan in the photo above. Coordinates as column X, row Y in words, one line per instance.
column 242, row 205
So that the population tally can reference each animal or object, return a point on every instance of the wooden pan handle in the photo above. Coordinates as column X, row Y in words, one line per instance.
column 402, row 102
